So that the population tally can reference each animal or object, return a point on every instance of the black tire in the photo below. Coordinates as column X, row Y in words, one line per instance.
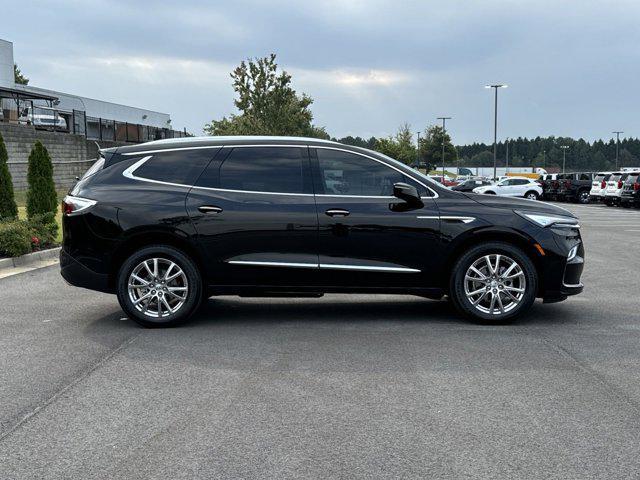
column 457, row 282
column 532, row 195
column 583, row 197
column 193, row 296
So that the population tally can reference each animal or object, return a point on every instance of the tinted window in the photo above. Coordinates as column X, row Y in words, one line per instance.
column 258, row 169
column 585, row 176
column 344, row 173
column 180, row 166
column 519, row 181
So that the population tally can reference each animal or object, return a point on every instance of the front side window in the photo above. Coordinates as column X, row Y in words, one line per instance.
column 345, row 173
column 258, row 169
column 180, row 166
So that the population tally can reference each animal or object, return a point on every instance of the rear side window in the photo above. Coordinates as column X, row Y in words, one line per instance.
column 519, row 181
column 585, row 176
column 260, row 169
column 180, row 166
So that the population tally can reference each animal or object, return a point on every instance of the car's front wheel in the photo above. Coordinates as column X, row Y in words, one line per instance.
column 531, row 195
column 159, row 286
column 493, row 282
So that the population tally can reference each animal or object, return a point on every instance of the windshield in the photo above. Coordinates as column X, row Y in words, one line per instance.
column 615, row 178
column 632, row 178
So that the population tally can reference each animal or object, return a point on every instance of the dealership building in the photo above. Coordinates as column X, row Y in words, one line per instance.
column 60, row 111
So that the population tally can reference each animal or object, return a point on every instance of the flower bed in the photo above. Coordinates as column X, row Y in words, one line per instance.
column 18, row 237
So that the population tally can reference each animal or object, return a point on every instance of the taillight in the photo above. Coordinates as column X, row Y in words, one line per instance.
column 603, row 184
column 619, row 184
column 636, row 186
column 72, row 205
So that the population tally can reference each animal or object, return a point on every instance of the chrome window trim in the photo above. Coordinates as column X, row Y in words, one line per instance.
column 129, row 172
column 317, row 147
column 323, row 266
column 447, row 217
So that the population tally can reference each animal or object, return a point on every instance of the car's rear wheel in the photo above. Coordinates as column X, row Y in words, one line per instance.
column 493, row 282
column 531, row 195
column 583, row 197
column 159, row 286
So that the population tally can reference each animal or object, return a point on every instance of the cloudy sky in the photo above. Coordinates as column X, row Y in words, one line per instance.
column 573, row 67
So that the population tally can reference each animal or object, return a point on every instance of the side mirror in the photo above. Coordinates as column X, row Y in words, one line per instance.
column 408, row 193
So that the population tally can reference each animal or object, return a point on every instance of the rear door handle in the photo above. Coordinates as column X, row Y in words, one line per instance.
column 337, row 212
column 209, row 209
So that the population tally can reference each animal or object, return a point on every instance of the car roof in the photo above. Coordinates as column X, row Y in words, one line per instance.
column 206, row 141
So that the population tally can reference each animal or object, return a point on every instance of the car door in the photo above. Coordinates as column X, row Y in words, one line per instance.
column 368, row 237
column 503, row 188
column 519, row 186
column 255, row 215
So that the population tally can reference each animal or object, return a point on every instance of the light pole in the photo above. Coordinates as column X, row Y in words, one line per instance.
column 544, row 159
column 617, row 144
column 507, row 156
column 564, row 155
column 418, row 167
column 495, row 127
column 444, row 132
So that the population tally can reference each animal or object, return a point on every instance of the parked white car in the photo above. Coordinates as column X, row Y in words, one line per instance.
column 613, row 192
column 598, row 186
column 513, row 187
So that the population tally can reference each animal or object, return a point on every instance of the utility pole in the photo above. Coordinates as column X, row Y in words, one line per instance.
column 564, row 155
column 544, row 159
column 444, row 133
column 617, row 144
column 495, row 127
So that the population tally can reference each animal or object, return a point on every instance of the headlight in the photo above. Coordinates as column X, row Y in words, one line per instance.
column 544, row 220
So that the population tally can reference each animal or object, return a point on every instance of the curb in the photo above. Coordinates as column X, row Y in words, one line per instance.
column 29, row 258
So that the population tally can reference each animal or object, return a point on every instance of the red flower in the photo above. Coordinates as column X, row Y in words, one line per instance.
column 35, row 241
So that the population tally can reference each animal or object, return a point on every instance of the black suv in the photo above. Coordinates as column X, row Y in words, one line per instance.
column 574, row 187
column 630, row 194
column 169, row 223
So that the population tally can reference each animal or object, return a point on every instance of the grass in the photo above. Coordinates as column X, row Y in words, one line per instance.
column 21, row 200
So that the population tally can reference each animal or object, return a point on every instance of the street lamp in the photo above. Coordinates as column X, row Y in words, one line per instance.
column 564, row 155
column 418, row 155
column 617, row 144
column 495, row 127
column 444, row 132
column 507, row 155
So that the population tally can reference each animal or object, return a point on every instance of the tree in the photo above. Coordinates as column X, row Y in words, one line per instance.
column 267, row 103
column 400, row 146
column 41, row 195
column 8, row 208
column 431, row 147
column 19, row 78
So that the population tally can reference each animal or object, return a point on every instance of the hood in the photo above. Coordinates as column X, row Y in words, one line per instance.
column 519, row 204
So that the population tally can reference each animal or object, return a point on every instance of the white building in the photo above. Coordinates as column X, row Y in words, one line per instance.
column 96, row 119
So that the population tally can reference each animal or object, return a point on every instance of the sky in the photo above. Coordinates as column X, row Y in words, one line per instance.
column 572, row 67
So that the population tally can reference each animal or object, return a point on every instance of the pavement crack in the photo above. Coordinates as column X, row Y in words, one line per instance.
column 585, row 368
column 84, row 374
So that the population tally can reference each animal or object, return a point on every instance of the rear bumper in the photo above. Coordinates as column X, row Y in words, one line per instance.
column 79, row 275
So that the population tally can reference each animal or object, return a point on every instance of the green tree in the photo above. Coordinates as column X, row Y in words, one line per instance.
column 19, row 78
column 431, row 147
column 267, row 103
column 41, row 195
column 8, row 208
column 400, row 146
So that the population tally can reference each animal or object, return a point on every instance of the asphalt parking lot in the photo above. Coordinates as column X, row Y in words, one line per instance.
column 337, row 387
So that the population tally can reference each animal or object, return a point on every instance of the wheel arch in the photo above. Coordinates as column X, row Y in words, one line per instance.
column 515, row 238
column 147, row 238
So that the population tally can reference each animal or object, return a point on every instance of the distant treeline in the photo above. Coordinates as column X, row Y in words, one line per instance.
column 540, row 152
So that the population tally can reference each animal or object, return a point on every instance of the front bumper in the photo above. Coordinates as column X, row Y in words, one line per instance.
column 79, row 275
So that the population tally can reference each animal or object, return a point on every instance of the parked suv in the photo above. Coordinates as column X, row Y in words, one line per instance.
column 469, row 185
column 598, row 186
column 166, row 224
column 613, row 190
column 574, row 187
column 513, row 187
column 631, row 190
column 546, row 182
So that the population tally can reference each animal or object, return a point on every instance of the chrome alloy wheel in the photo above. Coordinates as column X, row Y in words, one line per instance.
column 158, row 287
column 495, row 284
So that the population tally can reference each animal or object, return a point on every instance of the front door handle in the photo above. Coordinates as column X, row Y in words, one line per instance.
column 337, row 212
column 209, row 209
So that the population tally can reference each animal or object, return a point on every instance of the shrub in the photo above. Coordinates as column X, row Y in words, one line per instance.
column 8, row 208
column 41, row 196
column 45, row 228
column 15, row 238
